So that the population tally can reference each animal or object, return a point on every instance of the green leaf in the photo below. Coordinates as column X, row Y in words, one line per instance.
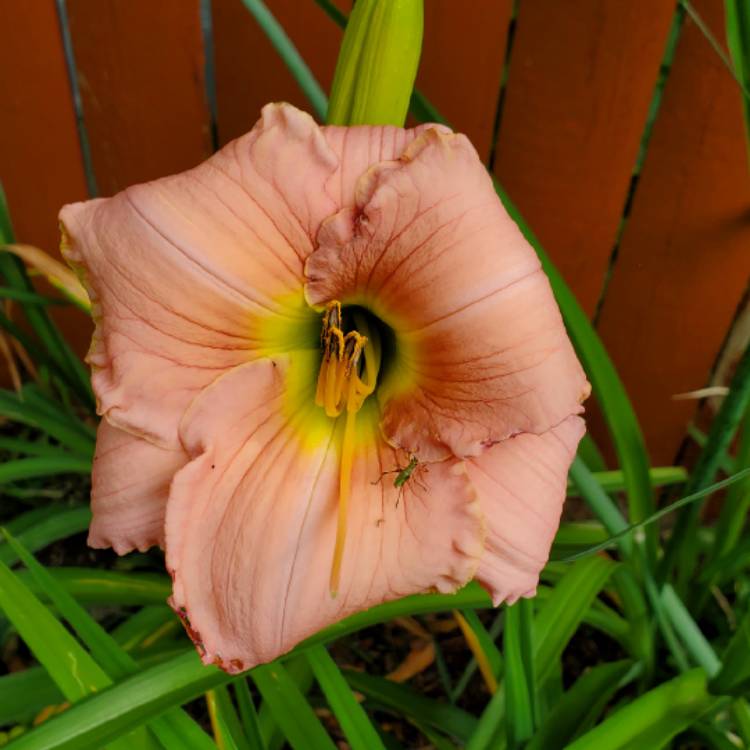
column 404, row 701
column 30, row 298
column 562, row 613
column 681, row 546
column 224, row 720
column 580, row 706
column 590, row 453
column 472, row 666
column 489, row 733
column 248, row 715
column 681, row 503
column 738, row 40
column 60, row 353
column 94, row 586
column 733, row 514
column 734, row 676
column 97, row 721
column 66, row 429
column 47, row 466
column 520, row 680
column 353, row 719
column 614, row 481
column 655, row 717
column 486, row 653
column 173, row 727
column 24, row 694
column 71, row 667
column 285, row 700
column 64, row 523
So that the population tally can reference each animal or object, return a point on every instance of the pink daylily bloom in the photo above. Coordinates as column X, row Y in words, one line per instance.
column 280, row 333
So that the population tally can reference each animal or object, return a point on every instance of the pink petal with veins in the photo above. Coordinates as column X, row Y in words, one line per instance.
column 130, row 486
column 251, row 524
column 430, row 250
column 521, row 485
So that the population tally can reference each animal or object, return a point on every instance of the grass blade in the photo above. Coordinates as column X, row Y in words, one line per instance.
column 580, row 706
column 285, row 700
column 71, row 667
column 353, row 719
column 734, row 676
column 559, row 617
column 404, row 701
column 723, row 428
column 11, row 268
column 482, row 645
column 248, row 715
column 174, row 727
column 738, row 41
column 92, row 586
column 62, row 524
column 520, row 684
column 651, row 720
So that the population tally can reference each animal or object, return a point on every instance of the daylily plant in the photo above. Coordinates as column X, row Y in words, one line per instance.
column 331, row 373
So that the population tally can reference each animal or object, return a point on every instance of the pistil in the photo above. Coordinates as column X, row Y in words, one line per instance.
column 348, row 375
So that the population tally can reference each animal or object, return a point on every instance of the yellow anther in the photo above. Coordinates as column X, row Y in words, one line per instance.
column 340, row 387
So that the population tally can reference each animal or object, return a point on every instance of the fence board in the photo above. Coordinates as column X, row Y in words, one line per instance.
column 140, row 69
column 580, row 81
column 250, row 73
column 684, row 260
column 462, row 64
column 40, row 157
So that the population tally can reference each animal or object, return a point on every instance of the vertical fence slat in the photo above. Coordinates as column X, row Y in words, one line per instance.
column 249, row 72
column 40, row 158
column 140, row 70
column 684, row 259
column 41, row 166
column 462, row 64
column 580, row 82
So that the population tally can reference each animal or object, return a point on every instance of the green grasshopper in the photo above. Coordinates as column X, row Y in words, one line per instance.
column 402, row 476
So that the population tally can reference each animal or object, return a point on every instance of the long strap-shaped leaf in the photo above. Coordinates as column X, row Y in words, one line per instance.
column 175, row 727
column 351, row 716
column 289, row 706
column 71, row 667
column 654, row 718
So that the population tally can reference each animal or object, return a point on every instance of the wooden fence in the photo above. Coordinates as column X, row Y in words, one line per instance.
column 556, row 98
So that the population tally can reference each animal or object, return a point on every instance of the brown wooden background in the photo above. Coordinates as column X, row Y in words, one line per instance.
column 663, row 279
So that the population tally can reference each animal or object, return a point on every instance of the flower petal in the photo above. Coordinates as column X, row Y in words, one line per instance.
column 482, row 352
column 183, row 273
column 251, row 523
column 130, row 485
column 521, row 485
column 361, row 147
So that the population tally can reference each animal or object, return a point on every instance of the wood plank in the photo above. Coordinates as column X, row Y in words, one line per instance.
column 580, row 82
column 462, row 64
column 684, row 261
column 40, row 158
column 140, row 68
column 249, row 71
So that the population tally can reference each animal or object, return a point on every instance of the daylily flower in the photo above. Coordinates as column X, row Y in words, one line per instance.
column 280, row 332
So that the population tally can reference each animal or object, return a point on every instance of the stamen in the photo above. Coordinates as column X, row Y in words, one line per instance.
column 345, row 484
column 340, row 387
